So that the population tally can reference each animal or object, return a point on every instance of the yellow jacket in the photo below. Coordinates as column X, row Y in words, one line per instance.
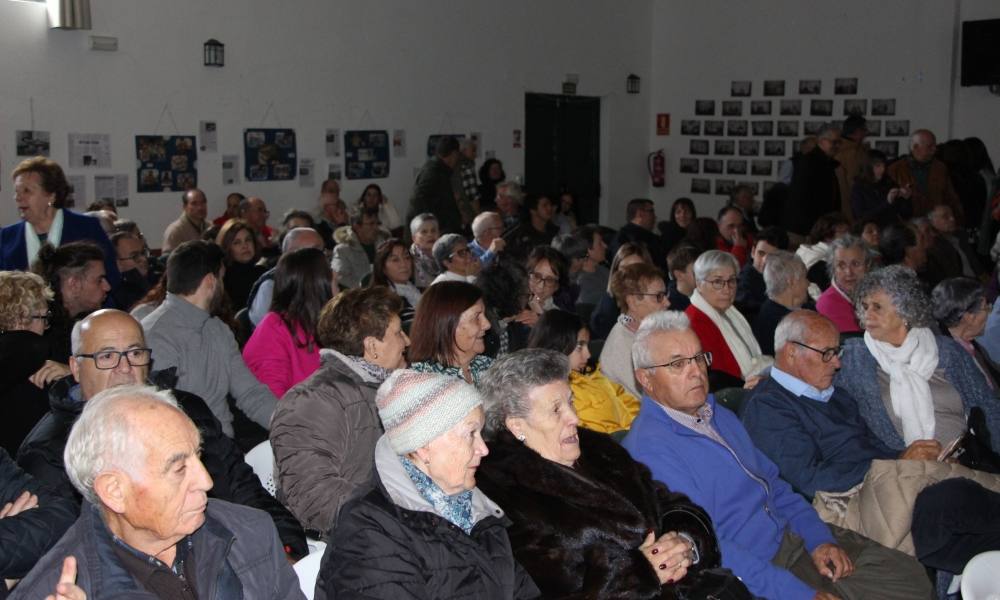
column 601, row 404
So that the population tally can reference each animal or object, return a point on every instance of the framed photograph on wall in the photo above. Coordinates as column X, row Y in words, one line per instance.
column 890, row 149
column 736, row 128
column 899, row 128
column 845, row 86
column 790, row 108
column 724, row 187
column 689, row 165
column 788, row 128
column 821, row 108
column 740, row 88
column 762, row 127
column 701, row 186
column 810, row 87
column 698, row 147
column 812, row 127
column 712, row 166
column 732, row 108
column 704, row 107
column 883, row 107
column 874, row 127
column 760, row 107
column 736, row 167
column 774, row 87
column 690, row 127
column 749, row 147
column 761, row 167
column 715, row 127
column 753, row 185
column 774, row 147
column 855, row 106
column 725, row 147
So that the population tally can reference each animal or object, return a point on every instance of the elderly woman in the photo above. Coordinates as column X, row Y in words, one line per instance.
column 588, row 521
column 457, row 263
column 324, row 430
column 909, row 383
column 787, row 290
column 601, row 404
column 639, row 291
column 604, row 317
column 721, row 328
column 849, row 259
column 961, row 309
column 239, row 244
column 393, row 268
column 424, row 231
column 448, row 332
column 425, row 530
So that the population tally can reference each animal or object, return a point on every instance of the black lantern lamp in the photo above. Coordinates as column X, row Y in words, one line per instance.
column 215, row 53
column 632, row 84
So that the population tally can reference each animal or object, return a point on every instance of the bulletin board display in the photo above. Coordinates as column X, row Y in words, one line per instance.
column 270, row 154
column 166, row 163
column 366, row 154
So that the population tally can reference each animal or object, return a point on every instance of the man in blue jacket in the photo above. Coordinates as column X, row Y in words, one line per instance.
column 769, row 535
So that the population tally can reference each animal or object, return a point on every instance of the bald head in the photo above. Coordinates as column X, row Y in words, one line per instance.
column 254, row 211
column 802, row 341
column 108, row 337
column 923, row 145
column 301, row 237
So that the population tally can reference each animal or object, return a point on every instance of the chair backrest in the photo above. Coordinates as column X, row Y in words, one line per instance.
column 979, row 580
column 307, row 570
column 261, row 460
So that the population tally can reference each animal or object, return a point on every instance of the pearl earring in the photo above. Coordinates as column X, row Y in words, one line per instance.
column 521, row 437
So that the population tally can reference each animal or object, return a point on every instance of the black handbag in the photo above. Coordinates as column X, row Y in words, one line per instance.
column 975, row 450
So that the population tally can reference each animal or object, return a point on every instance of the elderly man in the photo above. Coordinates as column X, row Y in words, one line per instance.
column 926, row 176
column 183, row 333
column 254, row 211
column 508, row 202
column 191, row 225
column 949, row 254
column 750, row 289
column 147, row 528
column 848, row 261
column 487, row 244
column 133, row 265
column 640, row 229
column 112, row 336
column 263, row 289
column 732, row 236
column 355, row 250
column 814, row 190
column 332, row 216
column 787, row 290
column 232, row 209
column 769, row 536
column 432, row 192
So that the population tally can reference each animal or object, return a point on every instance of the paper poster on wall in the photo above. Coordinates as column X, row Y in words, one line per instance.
column 77, row 190
column 333, row 142
column 269, row 154
column 398, row 143
column 432, row 141
column 89, row 150
column 209, row 135
column 166, row 163
column 475, row 136
column 307, row 175
column 333, row 171
column 111, row 187
column 230, row 169
column 517, row 138
column 32, row 143
column 366, row 154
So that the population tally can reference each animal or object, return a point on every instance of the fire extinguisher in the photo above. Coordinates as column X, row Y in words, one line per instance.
column 657, row 166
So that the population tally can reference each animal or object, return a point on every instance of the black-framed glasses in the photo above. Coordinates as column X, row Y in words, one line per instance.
column 542, row 279
column 827, row 353
column 46, row 319
column 718, row 284
column 463, row 252
column 135, row 256
column 677, row 366
column 110, row 359
column 659, row 296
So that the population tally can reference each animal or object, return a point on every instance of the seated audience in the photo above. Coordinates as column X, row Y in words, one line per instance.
column 639, row 291
column 587, row 520
column 239, row 246
column 750, row 289
column 574, row 251
column 393, row 268
column 508, row 200
column 742, row 197
column 283, row 350
column 232, row 209
column 549, row 280
column 723, row 331
column 604, row 317
column 815, row 251
column 490, row 176
column 425, row 530
column 448, row 332
column 424, row 230
column 132, row 260
column 536, row 227
column 263, row 289
column 592, row 278
column 332, row 215
column 147, row 517
column 682, row 213
column 733, row 237
column 702, row 234
column 926, row 176
column 183, row 333
column 600, row 404
column 681, row 286
column 372, row 198
column 192, row 223
column 40, row 192
column 961, row 310
column 641, row 216
column 565, row 217
column 909, row 383
column 949, row 254
column 787, row 290
column 324, row 430
column 254, row 211
column 487, row 243
column 355, row 249
column 455, row 260
column 32, row 521
column 295, row 218
column 102, row 339
column 769, row 536
column 903, row 245
column 848, row 261
column 869, row 231
column 875, row 196
column 505, row 293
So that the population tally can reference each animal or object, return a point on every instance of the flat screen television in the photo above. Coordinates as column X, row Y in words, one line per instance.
column 981, row 52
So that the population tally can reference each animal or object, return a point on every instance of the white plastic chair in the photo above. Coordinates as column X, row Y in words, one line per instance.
column 980, row 580
column 307, row 570
column 261, row 460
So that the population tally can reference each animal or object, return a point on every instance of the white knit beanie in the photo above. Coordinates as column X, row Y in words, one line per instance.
column 417, row 407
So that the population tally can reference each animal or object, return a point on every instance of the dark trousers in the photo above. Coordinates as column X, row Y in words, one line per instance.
column 953, row 521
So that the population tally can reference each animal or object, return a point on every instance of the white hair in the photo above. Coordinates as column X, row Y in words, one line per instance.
column 294, row 237
column 482, row 221
column 419, row 220
column 714, row 260
column 792, row 328
column 102, row 437
column 782, row 270
column 664, row 320
column 75, row 341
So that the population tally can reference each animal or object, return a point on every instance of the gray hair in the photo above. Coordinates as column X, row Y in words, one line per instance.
column 512, row 189
column 418, row 221
column 663, row 320
column 293, row 237
column 903, row 287
column 482, row 222
column 102, row 438
column 570, row 245
column 795, row 326
column 507, row 383
column 75, row 337
column 714, row 260
column 955, row 297
column 445, row 246
column 846, row 242
column 782, row 270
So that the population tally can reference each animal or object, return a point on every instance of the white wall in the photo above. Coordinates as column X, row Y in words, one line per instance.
column 426, row 67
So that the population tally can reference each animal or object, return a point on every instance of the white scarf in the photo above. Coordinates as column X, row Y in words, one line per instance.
column 31, row 242
column 409, row 291
column 910, row 368
column 738, row 336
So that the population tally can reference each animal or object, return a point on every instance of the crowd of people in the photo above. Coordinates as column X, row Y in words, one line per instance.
column 487, row 398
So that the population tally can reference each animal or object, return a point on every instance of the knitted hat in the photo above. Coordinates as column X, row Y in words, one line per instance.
column 417, row 407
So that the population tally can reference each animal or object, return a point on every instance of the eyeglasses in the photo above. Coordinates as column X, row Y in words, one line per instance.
column 46, row 318
column 463, row 252
column 110, row 359
column 703, row 360
column 542, row 279
column 136, row 256
column 718, row 284
column 828, row 353
column 658, row 295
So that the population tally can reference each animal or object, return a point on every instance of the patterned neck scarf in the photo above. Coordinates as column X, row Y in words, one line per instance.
column 456, row 509
column 374, row 371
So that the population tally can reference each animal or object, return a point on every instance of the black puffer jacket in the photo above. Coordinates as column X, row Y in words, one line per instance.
column 578, row 531
column 22, row 353
column 26, row 537
column 41, row 455
column 390, row 544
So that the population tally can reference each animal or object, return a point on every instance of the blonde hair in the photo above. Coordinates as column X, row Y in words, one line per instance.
column 21, row 293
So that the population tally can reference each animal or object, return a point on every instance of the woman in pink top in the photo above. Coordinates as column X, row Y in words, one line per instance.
column 849, row 260
column 282, row 350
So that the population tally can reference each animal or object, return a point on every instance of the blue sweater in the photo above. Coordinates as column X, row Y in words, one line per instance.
column 816, row 445
column 858, row 376
column 750, row 513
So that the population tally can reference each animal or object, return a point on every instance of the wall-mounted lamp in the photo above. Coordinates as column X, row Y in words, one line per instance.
column 632, row 84
column 215, row 53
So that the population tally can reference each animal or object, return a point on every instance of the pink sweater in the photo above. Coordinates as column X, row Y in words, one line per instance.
column 274, row 358
column 833, row 305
